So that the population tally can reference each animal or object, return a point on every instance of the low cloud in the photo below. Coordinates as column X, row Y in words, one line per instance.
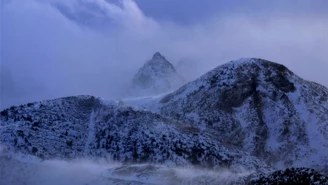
column 59, row 48
column 29, row 170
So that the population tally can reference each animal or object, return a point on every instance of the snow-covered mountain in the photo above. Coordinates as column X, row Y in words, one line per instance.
column 260, row 107
column 156, row 76
column 87, row 127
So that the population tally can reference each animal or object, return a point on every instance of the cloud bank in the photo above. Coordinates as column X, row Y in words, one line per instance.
column 59, row 48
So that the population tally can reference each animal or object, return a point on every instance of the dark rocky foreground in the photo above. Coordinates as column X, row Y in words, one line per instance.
column 290, row 176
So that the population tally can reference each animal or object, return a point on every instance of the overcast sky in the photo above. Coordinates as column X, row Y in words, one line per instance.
column 53, row 48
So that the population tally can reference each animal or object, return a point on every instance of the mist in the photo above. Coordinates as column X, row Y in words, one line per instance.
column 58, row 48
column 29, row 170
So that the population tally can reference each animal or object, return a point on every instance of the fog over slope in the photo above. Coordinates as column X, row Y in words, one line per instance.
column 25, row 169
column 56, row 48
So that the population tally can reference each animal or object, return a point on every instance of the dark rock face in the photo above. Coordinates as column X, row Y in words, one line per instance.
column 259, row 106
column 233, row 85
column 290, row 176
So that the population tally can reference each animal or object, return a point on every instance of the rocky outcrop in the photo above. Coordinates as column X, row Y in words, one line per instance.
column 289, row 176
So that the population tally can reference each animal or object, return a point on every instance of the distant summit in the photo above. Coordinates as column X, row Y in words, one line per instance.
column 156, row 76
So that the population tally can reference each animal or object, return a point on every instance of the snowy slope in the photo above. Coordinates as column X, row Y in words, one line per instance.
column 260, row 107
column 87, row 127
column 156, row 76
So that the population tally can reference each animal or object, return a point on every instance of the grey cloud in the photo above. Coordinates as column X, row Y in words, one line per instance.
column 194, row 11
column 58, row 48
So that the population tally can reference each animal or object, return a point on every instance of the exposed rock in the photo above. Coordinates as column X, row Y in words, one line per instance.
column 289, row 176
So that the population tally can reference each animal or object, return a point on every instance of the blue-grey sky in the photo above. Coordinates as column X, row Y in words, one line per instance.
column 193, row 11
column 53, row 48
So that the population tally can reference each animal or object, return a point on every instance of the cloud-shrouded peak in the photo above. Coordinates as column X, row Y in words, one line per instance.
column 159, row 64
column 156, row 76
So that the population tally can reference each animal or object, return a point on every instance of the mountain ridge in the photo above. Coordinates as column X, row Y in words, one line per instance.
column 85, row 126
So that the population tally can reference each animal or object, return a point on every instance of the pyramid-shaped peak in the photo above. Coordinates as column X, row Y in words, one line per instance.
column 157, row 55
column 156, row 76
column 159, row 62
